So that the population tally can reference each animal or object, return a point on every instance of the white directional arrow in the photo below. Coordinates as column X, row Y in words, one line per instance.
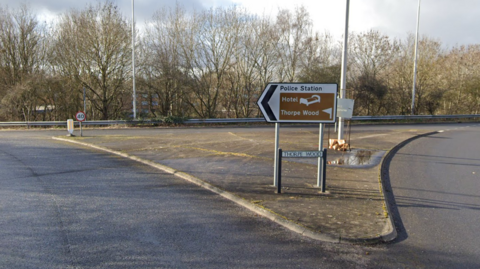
column 328, row 111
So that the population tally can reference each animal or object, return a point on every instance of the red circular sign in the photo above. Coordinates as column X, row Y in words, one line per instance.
column 80, row 116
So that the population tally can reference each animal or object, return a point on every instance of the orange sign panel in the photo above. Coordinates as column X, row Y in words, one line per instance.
column 306, row 106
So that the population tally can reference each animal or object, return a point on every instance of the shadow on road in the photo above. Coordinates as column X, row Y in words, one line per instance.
column 387, row 187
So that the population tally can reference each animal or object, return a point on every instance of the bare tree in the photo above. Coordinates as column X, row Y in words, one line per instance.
column 294, row 32
column 372, row 53
column 207, row 46
column 93, row 48
column 429, row 90
column 244, row 81
column 321, row 61
column 214, row 63
column 264, row 51
column 162, row 74
column 461, row 79
column 21, row 62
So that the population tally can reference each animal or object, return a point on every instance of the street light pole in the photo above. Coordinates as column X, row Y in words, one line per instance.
column 415, row 60
column 84, row 104
column 133, row 62
column 343, row 77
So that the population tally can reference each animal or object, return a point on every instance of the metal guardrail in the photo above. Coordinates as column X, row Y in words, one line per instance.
column 241, row 120
column 414, row 117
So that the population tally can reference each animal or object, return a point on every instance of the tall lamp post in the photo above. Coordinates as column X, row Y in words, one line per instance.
column 343, row 77
column 415, row 60
column 133, row 62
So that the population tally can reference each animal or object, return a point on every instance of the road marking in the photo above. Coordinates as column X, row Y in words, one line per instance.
column 243, row 138
column 216, row 152
column 369, row 136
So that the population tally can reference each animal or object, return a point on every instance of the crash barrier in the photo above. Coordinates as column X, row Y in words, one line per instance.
column 211, row 121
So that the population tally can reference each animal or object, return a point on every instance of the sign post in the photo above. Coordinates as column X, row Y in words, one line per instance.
column 320, row 168
column 80, row 116
column 298, row 103
column 321, row 155
column 277, row 140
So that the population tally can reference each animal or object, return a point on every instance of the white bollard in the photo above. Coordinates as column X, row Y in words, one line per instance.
column 70, row 127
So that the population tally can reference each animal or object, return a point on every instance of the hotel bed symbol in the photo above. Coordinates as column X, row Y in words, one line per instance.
column 311, row 100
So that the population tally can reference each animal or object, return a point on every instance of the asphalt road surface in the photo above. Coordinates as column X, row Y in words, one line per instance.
column 63, row 206
column 436, row 186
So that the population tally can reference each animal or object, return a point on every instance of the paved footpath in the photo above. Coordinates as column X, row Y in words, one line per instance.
column 237, row 163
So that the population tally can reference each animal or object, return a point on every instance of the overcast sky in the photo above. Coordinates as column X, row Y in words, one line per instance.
column 453, row 22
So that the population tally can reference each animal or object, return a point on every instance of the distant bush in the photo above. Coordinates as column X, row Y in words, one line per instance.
column 174, row 120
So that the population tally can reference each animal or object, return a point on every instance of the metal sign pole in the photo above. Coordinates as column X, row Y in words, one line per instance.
column 415, row 61
column 324, row 168
column 343, row 75
column 275, row 162
column 320, row 160
column 84, row 104
column 279, row 167
column 81, row 131
column 133, row 63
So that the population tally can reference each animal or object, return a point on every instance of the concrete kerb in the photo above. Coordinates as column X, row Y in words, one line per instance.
column 281, row 220
column 390, row 231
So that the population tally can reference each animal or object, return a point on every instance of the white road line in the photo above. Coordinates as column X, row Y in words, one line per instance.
column 369, row 136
